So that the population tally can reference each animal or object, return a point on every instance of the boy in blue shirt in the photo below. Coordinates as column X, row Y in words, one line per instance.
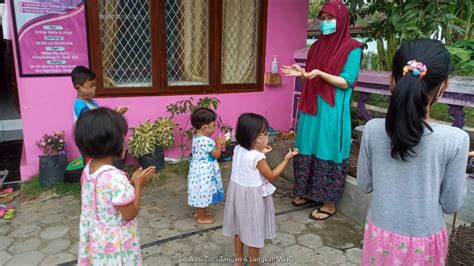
column 84, row 81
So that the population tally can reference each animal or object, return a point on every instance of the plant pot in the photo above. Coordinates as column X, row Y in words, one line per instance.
column 118, row 163
column 74, row 170
column 52, row 169
column 359, row 130
column 228, row 153
column 73, row 176
column 156, row 159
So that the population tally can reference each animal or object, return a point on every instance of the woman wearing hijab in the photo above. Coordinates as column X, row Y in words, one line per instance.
column 324, row 127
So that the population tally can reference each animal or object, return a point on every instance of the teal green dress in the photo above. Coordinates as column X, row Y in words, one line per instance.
column 324, row 142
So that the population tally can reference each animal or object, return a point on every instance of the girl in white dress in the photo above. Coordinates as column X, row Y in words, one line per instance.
column 249, row 214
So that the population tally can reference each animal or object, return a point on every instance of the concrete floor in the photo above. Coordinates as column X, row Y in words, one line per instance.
column 46, row 232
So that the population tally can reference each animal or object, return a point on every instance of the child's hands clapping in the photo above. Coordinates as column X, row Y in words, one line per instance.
column 291, row 153
column 142, row 176
column 220, row 141
column 267, row 149
column 122, row 109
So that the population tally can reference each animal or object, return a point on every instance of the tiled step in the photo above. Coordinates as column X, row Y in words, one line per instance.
column 10, row 158
column 11, row 129
column 8, row 110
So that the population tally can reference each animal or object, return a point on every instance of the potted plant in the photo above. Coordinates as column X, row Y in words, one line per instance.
column 164, row 129
column 230, row 143
column 53, row 162
column 149, row 140
column 142, row 144
column 186, row 131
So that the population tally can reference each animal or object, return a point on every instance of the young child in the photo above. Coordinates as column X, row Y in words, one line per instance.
column 110, row 201
column 204, row 177
column 414, row 167
column 249, row 214
column 84, row 82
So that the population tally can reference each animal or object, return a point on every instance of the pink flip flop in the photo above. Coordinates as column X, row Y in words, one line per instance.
column 5, row 208
column 6, row 190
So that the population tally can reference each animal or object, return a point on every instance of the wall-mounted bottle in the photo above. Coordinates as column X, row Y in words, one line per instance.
column 274, row 64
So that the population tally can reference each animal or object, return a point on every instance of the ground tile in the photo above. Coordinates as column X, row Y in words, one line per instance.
column 29, row 258
column 58, row 259
column 54, row 232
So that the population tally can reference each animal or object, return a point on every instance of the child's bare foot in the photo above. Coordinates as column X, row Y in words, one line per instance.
column 196, row 215
column 206, row 220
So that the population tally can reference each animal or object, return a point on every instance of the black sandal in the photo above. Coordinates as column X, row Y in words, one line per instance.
column 312, row 217
column 307, row 201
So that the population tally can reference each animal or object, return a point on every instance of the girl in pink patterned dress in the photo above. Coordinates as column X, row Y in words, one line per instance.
column 414, row 167
column 110, row 202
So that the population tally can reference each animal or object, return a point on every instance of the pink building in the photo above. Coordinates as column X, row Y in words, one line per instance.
column 147, row 56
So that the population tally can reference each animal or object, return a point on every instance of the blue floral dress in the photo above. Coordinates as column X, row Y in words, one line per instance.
column 204, row 177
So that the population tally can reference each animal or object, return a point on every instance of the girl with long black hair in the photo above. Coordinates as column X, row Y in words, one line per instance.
column 414, row 167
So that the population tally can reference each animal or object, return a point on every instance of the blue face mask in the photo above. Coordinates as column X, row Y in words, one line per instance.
column 327, row 27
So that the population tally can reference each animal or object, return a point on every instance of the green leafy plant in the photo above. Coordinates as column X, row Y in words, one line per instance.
column 313, row 8
column 457, row 21
column 397, row 21
column 378, row 27
column 372, row 60
column 144, row 139
column 186, row 108
column 224, row 128
column 164, row 128
column 462, row 53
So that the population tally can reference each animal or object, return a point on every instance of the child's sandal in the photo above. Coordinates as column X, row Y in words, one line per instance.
column 6, row 191
column 9, row 214
column 3, row 210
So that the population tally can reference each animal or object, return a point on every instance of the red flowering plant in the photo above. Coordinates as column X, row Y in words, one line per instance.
column 52, row 144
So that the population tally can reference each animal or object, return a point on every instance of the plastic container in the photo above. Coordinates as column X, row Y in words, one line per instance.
column 74, row 170
column 274, row 65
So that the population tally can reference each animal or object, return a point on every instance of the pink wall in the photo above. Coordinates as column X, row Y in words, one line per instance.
column 46, row 103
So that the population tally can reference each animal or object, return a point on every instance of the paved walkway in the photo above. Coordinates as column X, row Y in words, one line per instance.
column 46, row 233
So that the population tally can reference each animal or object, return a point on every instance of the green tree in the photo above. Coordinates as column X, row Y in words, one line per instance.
column 396, row 21
column 314, row 7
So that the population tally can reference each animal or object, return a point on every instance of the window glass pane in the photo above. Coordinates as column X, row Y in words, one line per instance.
column 125, row 41
column 187, row 42
column 240, row 24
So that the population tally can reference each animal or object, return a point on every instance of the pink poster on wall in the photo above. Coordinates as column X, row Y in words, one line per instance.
column 51, row 36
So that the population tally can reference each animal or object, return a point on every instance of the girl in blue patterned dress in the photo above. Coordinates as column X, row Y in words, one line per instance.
column 204, row 177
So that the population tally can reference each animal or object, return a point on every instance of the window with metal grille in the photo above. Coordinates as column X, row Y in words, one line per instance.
column 163, row 47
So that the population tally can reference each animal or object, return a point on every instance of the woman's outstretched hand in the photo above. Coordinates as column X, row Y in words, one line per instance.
column 294, row 70
column 310, row 75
